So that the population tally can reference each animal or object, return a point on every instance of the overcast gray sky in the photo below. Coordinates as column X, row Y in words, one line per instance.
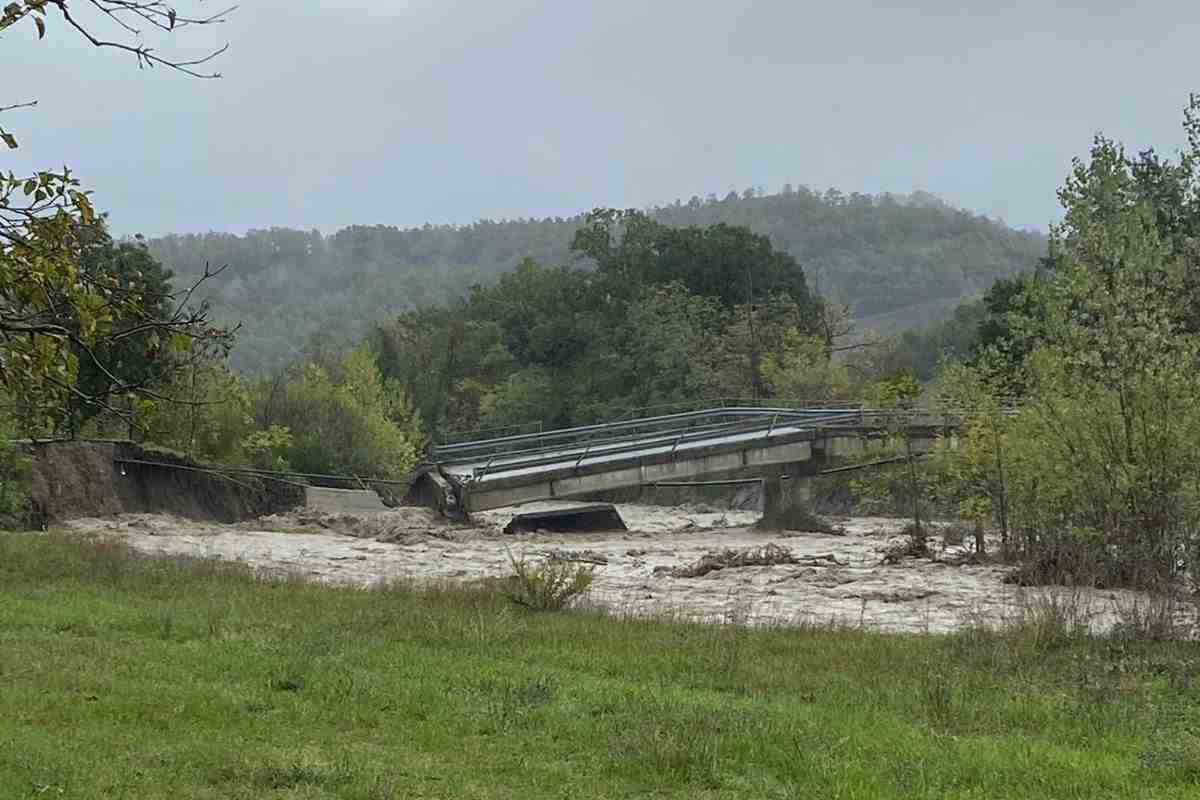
column 407, row 111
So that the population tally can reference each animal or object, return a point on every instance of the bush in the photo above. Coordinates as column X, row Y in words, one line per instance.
column 549, row 586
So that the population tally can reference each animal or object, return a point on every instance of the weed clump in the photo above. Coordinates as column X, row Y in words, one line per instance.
column 549, row 586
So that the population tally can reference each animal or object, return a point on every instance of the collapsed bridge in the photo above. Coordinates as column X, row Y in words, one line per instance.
column 771, row 443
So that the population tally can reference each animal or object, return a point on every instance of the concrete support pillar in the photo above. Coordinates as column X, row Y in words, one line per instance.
column 787, row 496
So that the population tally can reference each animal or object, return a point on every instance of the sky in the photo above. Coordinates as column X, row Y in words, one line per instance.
column 403, row 112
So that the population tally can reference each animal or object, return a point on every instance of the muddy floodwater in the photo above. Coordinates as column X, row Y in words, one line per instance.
column 837, row 578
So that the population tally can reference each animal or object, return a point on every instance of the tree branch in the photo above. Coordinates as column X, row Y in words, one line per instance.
column 145, row 55
column 15, row 106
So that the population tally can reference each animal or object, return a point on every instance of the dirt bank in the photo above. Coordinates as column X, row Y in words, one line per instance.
column 94, row 479
column 833, row 578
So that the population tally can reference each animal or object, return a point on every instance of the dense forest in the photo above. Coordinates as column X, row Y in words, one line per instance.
column 907, row 257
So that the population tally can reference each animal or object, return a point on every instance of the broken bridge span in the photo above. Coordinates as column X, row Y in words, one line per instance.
column 772, row 443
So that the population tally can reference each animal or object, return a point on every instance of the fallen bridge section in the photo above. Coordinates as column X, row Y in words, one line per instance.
column 578, row 471
column 503, row 471
column 598, row 517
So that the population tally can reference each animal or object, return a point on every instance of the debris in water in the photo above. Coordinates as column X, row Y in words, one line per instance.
column 578, row 556
column 765, row 556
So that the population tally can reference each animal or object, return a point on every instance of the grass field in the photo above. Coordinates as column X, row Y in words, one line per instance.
column 133, row 677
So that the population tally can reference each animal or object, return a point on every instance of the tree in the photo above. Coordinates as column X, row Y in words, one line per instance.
column 663, row 348
column 67, row 318
column 972, row 464
column 908, row 485
column 725, row 262
column 58, row 311
column 874, row 256
column 1112, row 419
column 342, row 416
column 140, row 359
column 527, row 396
column 1096, row 475
column 213, row 422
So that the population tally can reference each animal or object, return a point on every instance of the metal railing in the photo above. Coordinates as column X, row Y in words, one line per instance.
column 446, row 438
column 611, row 448
column 609, row 439
column 712, row 420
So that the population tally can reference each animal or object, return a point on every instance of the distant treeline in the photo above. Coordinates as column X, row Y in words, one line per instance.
column 878, row 254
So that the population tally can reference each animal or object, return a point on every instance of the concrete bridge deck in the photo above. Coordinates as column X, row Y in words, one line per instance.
column 502, row 471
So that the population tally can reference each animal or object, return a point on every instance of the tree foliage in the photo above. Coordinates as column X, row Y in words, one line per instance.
column 1097, row 477
column 75, row 310
column 880, row 254
column 661, row 319
column 342, row 417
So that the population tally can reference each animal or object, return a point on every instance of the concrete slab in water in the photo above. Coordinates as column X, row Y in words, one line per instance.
column 346, row 500
column 599, row 517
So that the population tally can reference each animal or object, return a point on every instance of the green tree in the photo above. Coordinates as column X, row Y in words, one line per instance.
column 908, row 484
column 526, row 396
column 726, row 262
column 343, row 417
column 903, row 257
column 661, row 349
column 211, row 421
column 1096, row 475
column 1114, row 391
column 973, row 463
column 134, row 356
column 58, row 312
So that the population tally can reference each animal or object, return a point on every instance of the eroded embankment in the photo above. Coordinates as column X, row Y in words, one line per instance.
column 831, row 578
column 91, row 479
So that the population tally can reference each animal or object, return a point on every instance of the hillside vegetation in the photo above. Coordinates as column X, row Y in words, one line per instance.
column 880, row 254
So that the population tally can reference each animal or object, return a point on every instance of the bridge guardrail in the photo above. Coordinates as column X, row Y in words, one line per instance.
column 599, row 435
column 527, row 459
column 660, row 410
column 647, row 425
column 524, row 459
column 615, row 438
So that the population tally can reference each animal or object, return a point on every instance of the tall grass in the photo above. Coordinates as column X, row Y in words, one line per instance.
column 129, row 676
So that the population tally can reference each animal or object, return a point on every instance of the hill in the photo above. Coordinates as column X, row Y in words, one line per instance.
column 884, row 255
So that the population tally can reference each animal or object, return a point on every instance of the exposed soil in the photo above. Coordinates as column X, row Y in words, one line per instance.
column 839, row 578
column 78, row 479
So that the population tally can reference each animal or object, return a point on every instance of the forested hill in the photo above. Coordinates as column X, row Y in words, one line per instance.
column 881, row 254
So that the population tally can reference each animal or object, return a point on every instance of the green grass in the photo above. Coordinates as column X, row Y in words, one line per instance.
column 134, row 677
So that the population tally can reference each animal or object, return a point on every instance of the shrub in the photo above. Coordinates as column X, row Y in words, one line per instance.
column 549, row 586
column 1152, row 617
column 1049, row 619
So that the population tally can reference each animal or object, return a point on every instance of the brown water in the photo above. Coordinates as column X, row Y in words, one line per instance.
column 843, row 579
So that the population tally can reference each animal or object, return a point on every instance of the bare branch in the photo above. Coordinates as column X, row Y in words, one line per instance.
column 156, row 13
column 145, row 55
column 15, row 106
column 113, row 14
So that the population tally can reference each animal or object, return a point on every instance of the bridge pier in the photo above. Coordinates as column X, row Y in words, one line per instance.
column 787, row 493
